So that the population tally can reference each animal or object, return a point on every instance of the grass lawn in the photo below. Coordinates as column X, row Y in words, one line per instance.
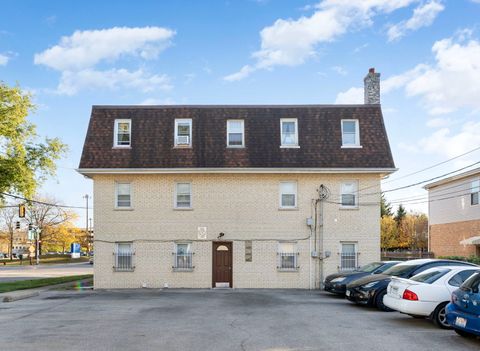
column 37, row 283
column 44, row 260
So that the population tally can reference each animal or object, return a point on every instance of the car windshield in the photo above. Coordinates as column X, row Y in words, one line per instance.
column 401, row 269
column 368, row 268
column 430, row 277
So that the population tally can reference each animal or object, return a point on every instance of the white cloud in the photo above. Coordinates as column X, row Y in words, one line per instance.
column 89, row 79
column 155, row 101
column 77, row 56
column 423, row 16
column 340, row 70
column 439, row 122
column 243, row 73
column 4, row 59
column 291, row 42
column 84, row 49
column 351, row 96
column 449, row 144
column 452, row 82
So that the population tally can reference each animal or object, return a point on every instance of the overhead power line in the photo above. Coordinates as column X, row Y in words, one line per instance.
column 39, row 202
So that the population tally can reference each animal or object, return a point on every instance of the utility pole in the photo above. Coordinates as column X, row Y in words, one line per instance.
column 86, row 217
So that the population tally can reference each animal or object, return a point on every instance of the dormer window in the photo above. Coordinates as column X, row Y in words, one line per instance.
column 183, row 133
column 350, row 133
column 289, row 132
column 235, row 133
column 123, row 133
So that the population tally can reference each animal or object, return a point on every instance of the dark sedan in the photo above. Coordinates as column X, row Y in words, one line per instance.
column 337, row 283
column 371, row 289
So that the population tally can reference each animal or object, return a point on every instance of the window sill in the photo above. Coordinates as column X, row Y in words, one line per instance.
column 183, row 208
column 289, row 146
column 288, row 208
column 348, row 208
column 123, row 270
column 121, row 147
column 288, row 270
column 182, row 147
column 180, row 270
column 123, row 209
column 235, row 147
column 352, row 147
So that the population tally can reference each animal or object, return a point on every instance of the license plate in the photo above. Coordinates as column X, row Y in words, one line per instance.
column 460, row 322
column 347, row 293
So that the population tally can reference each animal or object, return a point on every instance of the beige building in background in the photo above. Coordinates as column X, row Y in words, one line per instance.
column 454, row 215
column 235, row 196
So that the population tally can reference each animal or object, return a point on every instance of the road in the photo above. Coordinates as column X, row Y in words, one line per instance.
column 214, row 320
column 13, row 273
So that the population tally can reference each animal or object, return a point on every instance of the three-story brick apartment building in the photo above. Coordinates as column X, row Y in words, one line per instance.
column 235, row 196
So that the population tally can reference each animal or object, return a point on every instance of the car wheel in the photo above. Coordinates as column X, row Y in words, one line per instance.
column 379, row 302
column 463, row 333
column 440, row 317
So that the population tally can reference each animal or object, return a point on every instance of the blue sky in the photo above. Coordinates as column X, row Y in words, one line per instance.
column 72, row 55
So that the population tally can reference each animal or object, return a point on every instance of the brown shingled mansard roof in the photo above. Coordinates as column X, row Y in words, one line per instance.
column 319, row 134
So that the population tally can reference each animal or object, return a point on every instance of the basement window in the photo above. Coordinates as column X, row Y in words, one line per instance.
column 123, row 257
column 287, row 256
column 183, row 257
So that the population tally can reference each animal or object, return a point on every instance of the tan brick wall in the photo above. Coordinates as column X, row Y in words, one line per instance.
column 244, row 207
column 445, row 238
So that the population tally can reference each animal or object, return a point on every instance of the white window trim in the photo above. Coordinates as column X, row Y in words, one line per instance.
column 280, row 195
column 116, row 196
column 175, row 196
column 354, row 207
column 357, row 144
column 175, row 132
column 115, row 133
column 243, row 134
column 132, row 255
column 286, row 146
column 473, row 192
column 340, row 254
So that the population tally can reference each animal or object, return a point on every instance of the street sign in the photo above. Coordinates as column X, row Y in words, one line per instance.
column 75, row 250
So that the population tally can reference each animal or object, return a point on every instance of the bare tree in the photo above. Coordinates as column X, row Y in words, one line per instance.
column 9, row 217
column 46, row 215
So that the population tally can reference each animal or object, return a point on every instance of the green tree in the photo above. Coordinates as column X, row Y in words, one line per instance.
column 24, row 162
column 400, row 215
column 385, row 207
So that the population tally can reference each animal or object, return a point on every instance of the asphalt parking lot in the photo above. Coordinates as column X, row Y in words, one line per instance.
column 271, row 320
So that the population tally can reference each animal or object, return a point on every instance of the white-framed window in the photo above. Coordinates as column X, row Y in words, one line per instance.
column 235, row 133
column 183, row 132
column 183, row 195
column 289, row 132
column 288, row 194
column 349, row 194
column 123, row 195
column 287, row 256
column 475, row 192
column 123, row 256
column 183, row 256
column 122, row 133
column 348, row 256
column 350, row 133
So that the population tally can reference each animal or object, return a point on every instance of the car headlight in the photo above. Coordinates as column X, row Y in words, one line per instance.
column 370, row 285
column 338, row 280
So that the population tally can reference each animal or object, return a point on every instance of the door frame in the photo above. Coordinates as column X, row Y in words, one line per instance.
column 215, row 244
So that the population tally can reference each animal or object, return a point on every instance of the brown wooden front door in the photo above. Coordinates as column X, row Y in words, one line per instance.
column 222, row 264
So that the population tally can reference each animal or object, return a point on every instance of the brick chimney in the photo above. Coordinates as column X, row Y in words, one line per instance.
column 372, row 87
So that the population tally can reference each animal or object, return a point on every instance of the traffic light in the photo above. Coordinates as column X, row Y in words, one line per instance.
column 17, row 225
column 21, row 211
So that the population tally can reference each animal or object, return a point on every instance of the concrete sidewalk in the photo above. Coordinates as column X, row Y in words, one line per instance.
column 14, row 273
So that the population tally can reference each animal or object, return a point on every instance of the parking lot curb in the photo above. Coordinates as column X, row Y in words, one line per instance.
column 16, row 297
